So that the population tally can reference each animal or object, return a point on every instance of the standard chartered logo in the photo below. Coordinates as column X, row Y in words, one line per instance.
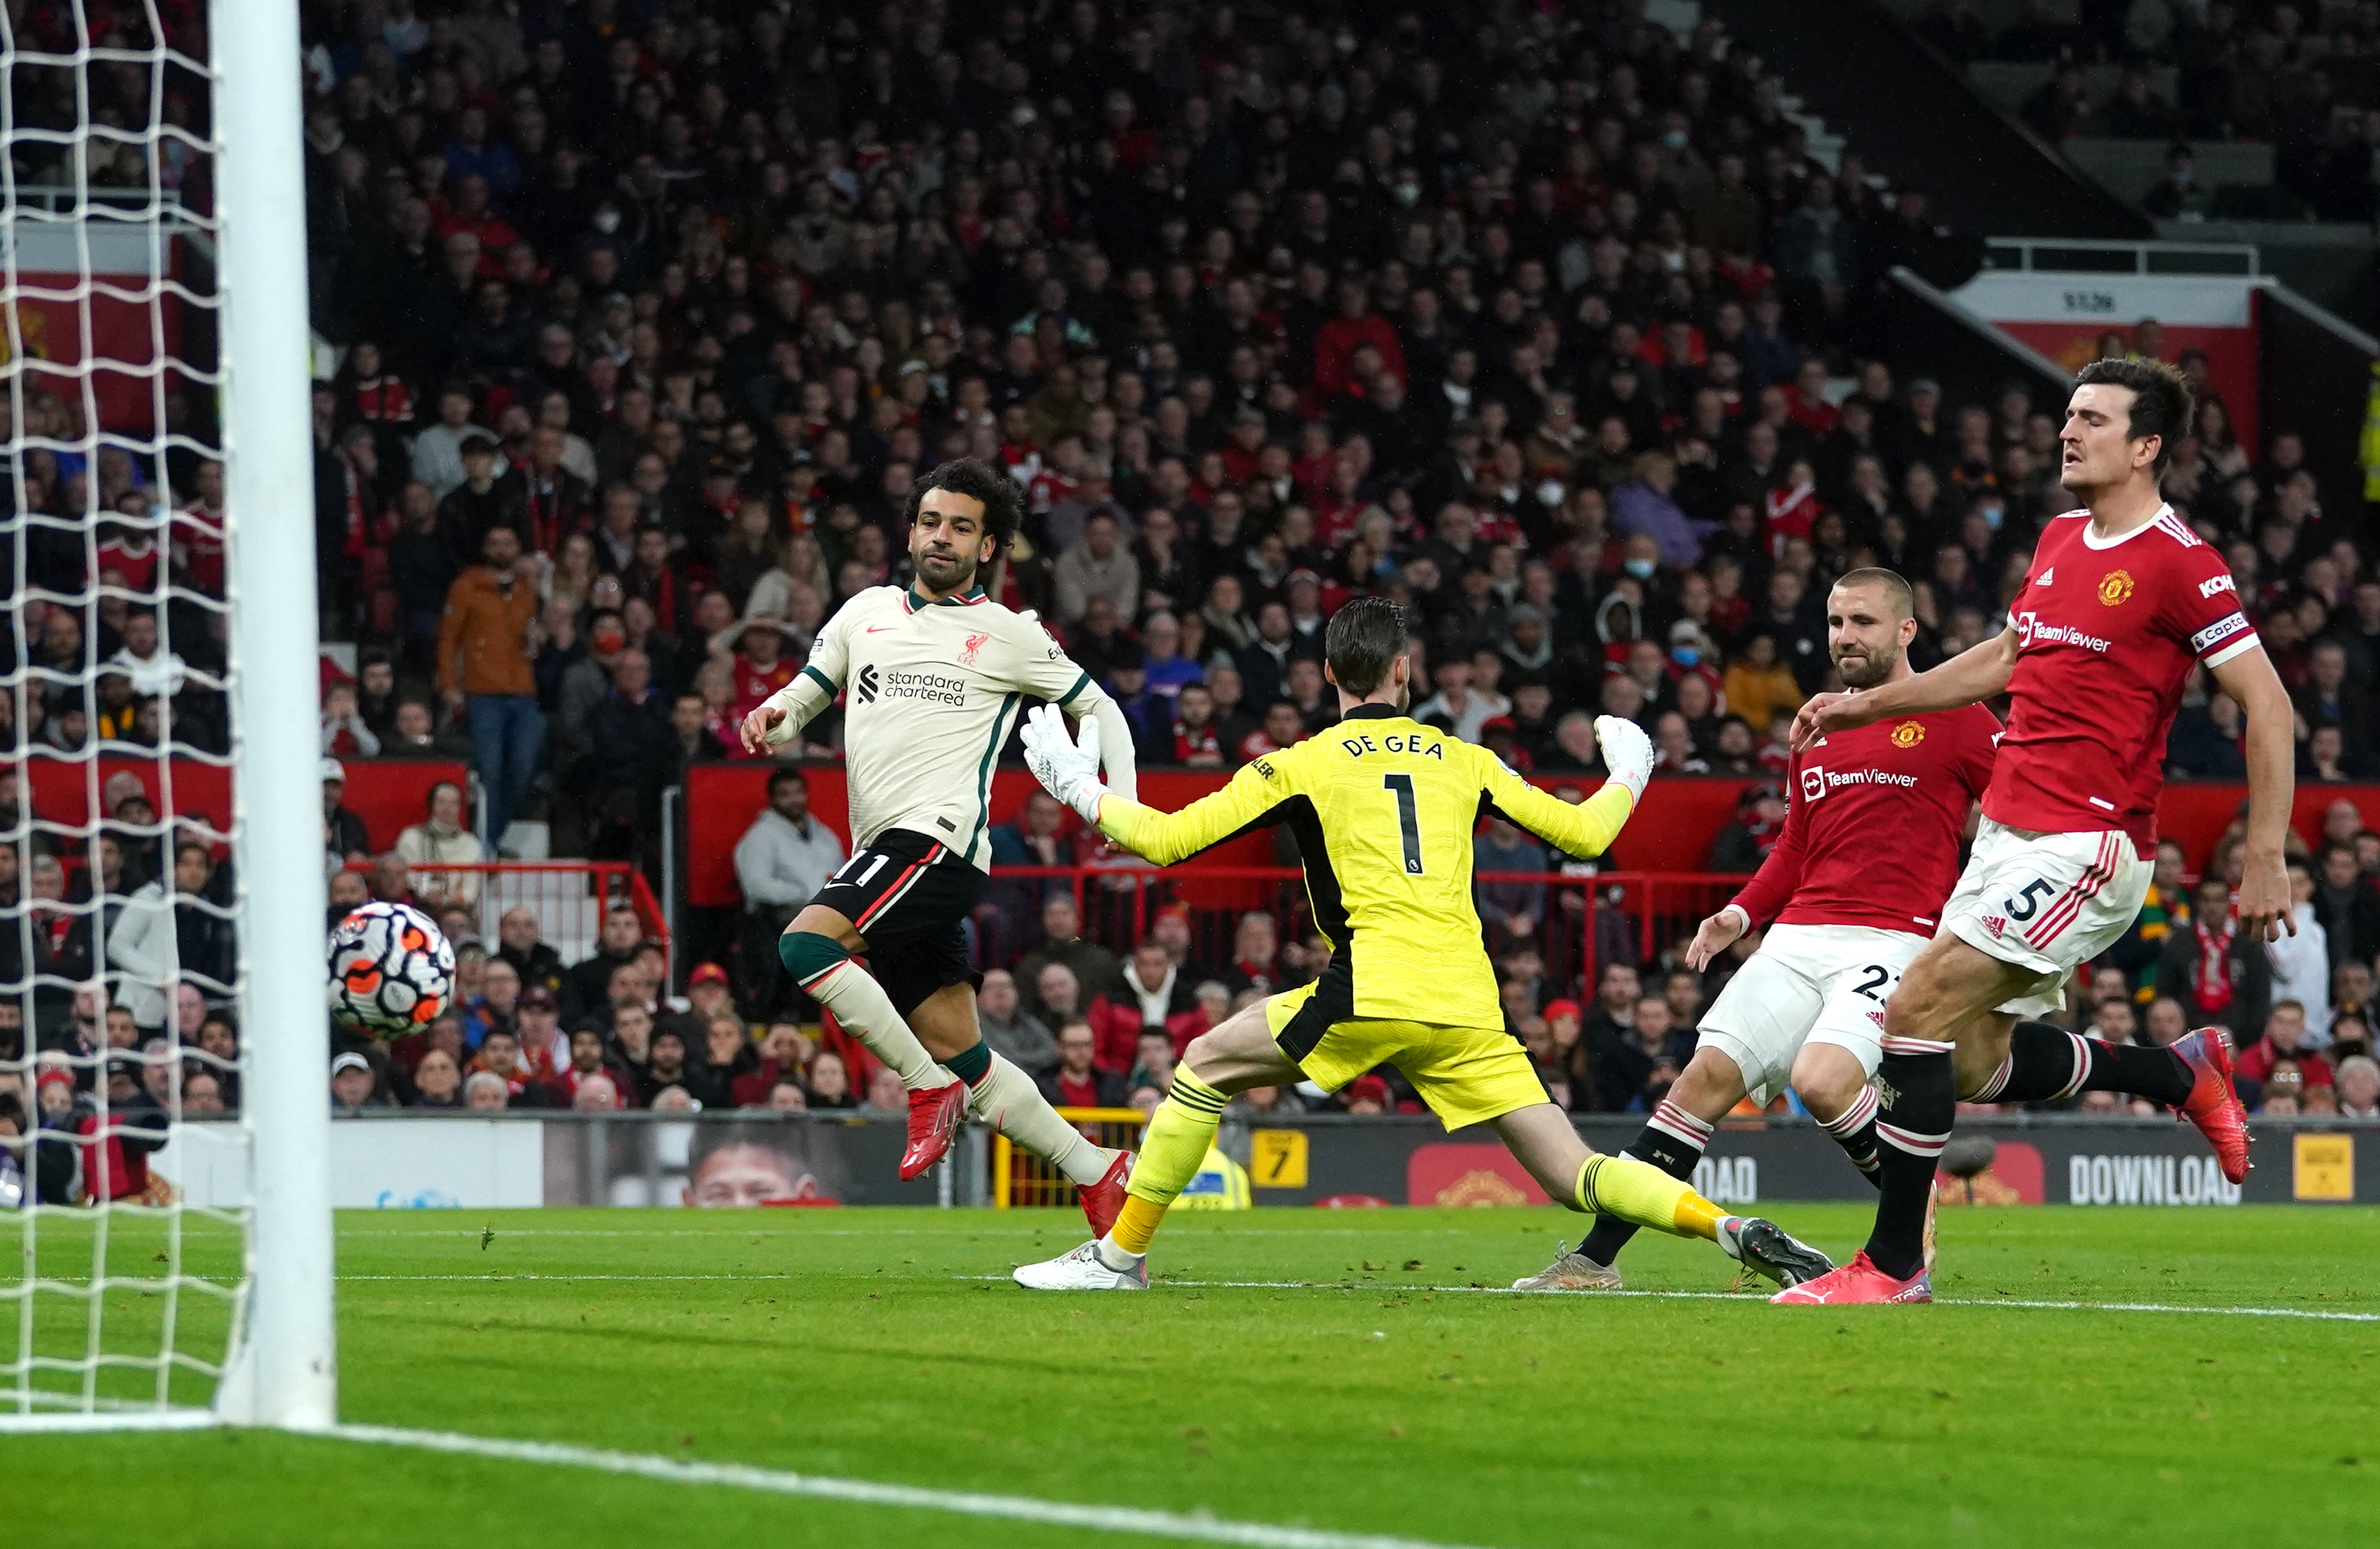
column 930, row 687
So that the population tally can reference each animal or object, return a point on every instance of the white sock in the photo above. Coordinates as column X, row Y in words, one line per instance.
column 860, row 1004
column 1115, row 1258
column 1008, row 1101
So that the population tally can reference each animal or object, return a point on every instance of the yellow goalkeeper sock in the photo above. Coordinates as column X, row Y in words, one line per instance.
column 1135, row 1224
column 1641, row 1193
column 1172, row 1150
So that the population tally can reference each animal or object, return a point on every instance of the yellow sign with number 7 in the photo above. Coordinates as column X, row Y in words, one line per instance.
column 1276, row 1158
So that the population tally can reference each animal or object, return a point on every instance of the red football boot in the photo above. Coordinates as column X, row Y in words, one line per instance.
column 934, row 1114
column 1857, row 1282
column 2212, row 1105
column 1103, row 1201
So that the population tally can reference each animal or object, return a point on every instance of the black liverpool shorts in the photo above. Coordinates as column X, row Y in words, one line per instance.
column 909, row 898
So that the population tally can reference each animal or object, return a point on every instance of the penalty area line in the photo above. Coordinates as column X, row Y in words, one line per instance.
column 2315, row 1314
column 1193, row 1526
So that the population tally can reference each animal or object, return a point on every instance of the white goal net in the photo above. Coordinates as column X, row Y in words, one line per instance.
column 161, row 894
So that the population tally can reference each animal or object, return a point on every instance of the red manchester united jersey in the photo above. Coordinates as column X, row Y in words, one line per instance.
column 1873, row 822
column 754, row 685
column 2106, row 634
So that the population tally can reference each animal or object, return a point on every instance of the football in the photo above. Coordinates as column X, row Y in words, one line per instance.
column 391, row 969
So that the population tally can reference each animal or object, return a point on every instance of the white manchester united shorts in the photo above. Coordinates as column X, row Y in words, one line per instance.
column 1807, row 984
column 2049, row 902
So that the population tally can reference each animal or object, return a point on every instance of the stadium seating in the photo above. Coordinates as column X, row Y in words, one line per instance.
column 1559, row 335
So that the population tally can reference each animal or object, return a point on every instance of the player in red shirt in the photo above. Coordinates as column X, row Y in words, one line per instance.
column 760, row 670
column 1059, row 479
column 2120, row 601
column 1850, row 895
column 195, row 532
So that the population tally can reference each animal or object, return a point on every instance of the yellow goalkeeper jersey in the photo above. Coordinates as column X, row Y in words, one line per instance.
column 1383, row 809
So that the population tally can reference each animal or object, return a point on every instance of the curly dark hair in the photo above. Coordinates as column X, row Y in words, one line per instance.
column 988, row 483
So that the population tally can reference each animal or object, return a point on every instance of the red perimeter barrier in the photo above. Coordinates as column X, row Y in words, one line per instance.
column 1630, row 914
column 569, row 898
column 1670, row 833
column 387, row 793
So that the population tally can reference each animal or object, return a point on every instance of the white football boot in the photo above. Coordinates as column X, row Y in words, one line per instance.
column 1571, row 1271
column 1082, row 1270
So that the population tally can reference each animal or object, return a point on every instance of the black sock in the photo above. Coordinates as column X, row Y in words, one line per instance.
column 1671, row 1140
column 2045, row 1063
column 1854, row 1131
column 1916, row 1096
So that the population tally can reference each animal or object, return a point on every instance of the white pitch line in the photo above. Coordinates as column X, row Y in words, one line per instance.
column 495, row 1277
column 729, row 1234
column 2312, row 1314
column 1198, row 1528
column 2309, row 1314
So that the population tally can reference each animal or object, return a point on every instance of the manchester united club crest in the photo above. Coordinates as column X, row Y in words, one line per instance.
column 2115, row 587
column 1908, row 734
column 967, row 651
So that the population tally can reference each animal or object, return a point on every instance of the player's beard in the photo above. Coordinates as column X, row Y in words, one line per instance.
column 953, row 576
column 1864, row 669
column 2077, row 481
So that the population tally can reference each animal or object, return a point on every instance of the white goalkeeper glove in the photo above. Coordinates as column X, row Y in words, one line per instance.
column 1066, row 768
column 1627, row 753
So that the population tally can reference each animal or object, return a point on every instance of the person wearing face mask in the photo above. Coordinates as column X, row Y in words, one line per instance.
column 1691, row 655
column 586, row 682
column 1645, row 504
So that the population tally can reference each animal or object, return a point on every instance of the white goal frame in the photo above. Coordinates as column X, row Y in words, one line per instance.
column 284, row 1369
column 281, row 1365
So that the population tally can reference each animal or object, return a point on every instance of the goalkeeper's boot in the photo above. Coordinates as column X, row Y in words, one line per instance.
column 1082, row 1270
column 2212, row 1105
column 1764, row 1246
column 934, row 1116
column 1857, row 1282
column 1103, row 1201
column 1571, row 1271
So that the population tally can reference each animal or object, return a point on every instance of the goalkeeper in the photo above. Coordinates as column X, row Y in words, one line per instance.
column 1383, row 809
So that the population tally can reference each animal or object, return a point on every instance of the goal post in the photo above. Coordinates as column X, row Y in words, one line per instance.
column 164, row 1262
column 285, row 1370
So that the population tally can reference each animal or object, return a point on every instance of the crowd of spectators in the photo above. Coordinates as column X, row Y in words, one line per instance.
column 2301, row 75
column 1467, row 314
column 1544, row 322
column 1100, row 1023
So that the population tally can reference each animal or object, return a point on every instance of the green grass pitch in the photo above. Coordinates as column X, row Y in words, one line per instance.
column 871, row 1345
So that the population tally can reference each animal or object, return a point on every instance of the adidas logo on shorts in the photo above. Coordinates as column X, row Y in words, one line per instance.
column 1994, row 924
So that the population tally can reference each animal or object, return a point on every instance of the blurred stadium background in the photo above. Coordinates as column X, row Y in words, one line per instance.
column 1603, row 335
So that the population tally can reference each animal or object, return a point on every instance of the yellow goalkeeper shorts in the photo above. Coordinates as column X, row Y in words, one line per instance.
column 1467, row 1075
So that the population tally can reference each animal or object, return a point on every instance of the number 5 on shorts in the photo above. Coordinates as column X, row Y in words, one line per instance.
column 2027, row 903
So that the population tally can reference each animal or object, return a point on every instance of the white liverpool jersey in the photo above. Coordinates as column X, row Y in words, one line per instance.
column 931, row 693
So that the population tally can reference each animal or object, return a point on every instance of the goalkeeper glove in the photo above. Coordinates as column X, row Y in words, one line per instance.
column 1627, row 753
column 1067, row 769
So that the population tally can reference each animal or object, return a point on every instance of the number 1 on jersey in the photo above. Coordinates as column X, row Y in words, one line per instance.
column 1407, row 820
